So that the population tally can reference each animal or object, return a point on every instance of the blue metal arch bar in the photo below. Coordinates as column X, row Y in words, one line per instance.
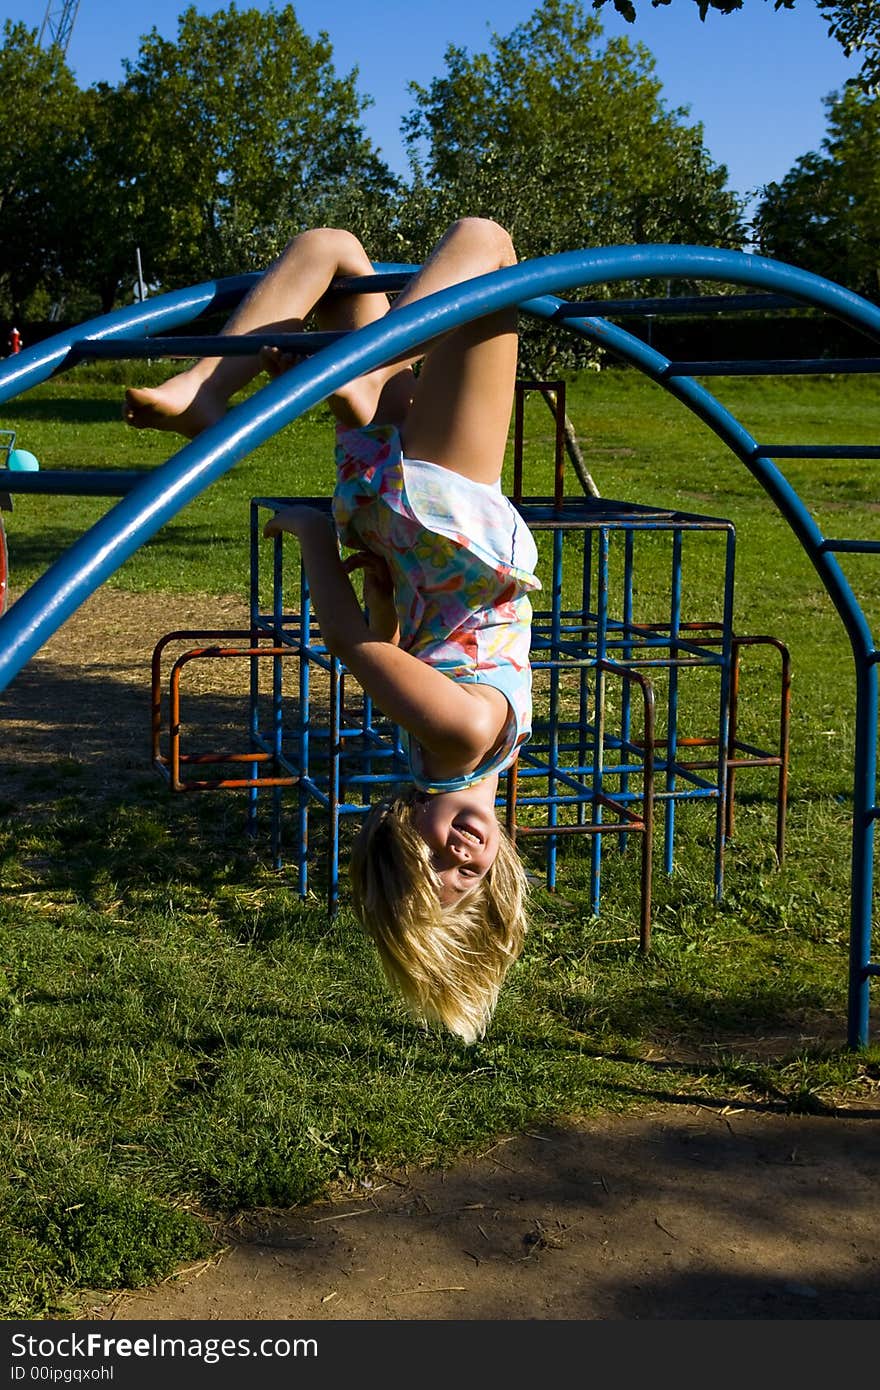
column 638, row 354
column 33, row 365
column 530, row 285
column 155, row 500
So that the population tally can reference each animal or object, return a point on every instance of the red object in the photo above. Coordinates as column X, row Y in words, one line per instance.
column 14, row 340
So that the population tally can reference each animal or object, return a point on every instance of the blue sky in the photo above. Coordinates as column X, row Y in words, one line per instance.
column 755, row 78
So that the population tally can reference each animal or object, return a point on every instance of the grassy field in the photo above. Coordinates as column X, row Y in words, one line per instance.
column 183, row 1037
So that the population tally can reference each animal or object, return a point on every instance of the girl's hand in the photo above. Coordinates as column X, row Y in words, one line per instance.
column 378, row 593
column 275, row 361
column 297, row 520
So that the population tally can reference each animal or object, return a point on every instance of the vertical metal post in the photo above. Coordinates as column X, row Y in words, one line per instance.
column 672, row 699
column 626, row 656
column 335, row 752
column 254, row 699
column 305, row 716
column 865, row 814
column 584, row 674
column 599, row 716
column 784, row 751
column 647, row 818
column 553, row 731
column 277, row 706
column 724, row 712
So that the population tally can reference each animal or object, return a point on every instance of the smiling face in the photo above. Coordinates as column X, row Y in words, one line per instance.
column 462, row 832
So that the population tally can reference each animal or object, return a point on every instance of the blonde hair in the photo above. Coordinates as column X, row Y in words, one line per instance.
column 448, row 964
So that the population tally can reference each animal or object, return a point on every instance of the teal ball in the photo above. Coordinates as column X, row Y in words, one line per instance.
column 21, row 461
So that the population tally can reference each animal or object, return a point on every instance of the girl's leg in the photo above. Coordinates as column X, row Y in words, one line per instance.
column 281, row 300
column 463, row 397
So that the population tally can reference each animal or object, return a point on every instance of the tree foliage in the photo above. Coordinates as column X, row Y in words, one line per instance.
column 856, row 26
column 39, row 144
column 223, row 141
column 825, row 214
column 565, row 141
column 243, row 123
column 216, row 147
column 114, row 209
column 854, row 23
column 568, row 143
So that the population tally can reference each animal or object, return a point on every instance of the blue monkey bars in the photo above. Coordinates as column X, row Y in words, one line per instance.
column 157, row 496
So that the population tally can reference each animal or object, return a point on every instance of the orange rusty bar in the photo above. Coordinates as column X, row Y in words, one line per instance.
column 170, row 767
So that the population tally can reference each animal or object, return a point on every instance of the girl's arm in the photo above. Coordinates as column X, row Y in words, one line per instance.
column 449, row 720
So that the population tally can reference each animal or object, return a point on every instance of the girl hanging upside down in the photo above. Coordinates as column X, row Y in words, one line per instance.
column 448, row 566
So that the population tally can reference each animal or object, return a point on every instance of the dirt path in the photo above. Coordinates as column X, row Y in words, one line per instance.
column 682, row 1212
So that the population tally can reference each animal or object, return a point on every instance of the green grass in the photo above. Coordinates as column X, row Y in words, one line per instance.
column 182, row 1037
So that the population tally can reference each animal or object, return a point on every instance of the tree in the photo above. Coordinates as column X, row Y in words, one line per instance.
column 825, row 214
column 856, row 26
column 40, row 114
column 854, row 23
column 113, row 208
column 245, row 134
column 566, row 143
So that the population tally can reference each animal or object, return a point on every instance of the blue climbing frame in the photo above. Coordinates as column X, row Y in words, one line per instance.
column 155, row 497
column 584, row 771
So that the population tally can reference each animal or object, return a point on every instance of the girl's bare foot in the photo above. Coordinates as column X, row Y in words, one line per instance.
column 173, row 406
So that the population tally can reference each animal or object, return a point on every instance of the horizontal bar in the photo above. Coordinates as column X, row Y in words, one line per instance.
column 162, row 765
column 588, row 828
column 235, row 784
column 608, row 802
column 199, row 759
column 585, row 621
column 850, row 547
column 687, row 773
column 274, row 504
column 581, row 793
column 543, row 641
column 205, row 345
column 818, row 451
column 797, row 366
column 582, row 515
column 372, row 284
column 73, row 482
column 674, row 304
column 772, row 760
column 392, row 281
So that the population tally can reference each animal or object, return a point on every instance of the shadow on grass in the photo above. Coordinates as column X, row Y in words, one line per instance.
column 30, row 554
column 65, row 411
column 98, row 720
column 176, row 543
column 78, row 783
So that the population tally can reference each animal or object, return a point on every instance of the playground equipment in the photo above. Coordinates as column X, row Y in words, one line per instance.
column 583, row 772
column 150, row 499
column 16, row 461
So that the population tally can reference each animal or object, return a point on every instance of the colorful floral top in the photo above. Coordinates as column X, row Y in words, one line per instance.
column 462, row 560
